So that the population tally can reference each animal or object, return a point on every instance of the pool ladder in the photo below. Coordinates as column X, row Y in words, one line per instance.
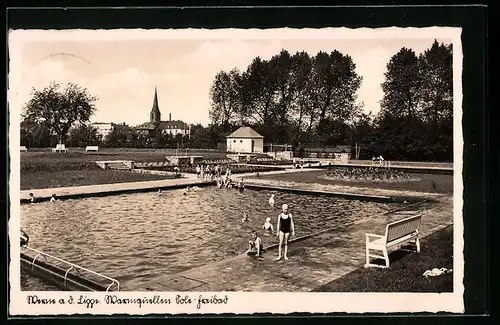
column 71, row 267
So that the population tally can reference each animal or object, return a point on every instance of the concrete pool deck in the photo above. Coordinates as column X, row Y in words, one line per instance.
column 314, row 260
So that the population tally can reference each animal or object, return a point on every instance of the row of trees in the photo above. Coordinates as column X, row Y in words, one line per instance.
column 288, row 98
column 297, row 99
column 39, row 135
column 312, row 101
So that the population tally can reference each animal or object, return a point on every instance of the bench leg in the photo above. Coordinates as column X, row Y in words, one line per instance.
column 367, row 256
column 417, row 243
column 386, row 258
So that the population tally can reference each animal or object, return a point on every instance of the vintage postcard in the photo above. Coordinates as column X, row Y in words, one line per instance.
column 235, row 171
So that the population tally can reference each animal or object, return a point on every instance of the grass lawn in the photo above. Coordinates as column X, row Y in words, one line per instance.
column 52, row 170
column 43, row 169
column 67, row 178
column 49, row 158
column 443, row 183
column 405, row 273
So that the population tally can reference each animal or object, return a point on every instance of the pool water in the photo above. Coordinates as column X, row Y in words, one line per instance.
column 139, row 237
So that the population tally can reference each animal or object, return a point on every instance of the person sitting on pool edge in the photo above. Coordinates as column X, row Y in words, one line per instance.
column 255, row 246
column 241, row 185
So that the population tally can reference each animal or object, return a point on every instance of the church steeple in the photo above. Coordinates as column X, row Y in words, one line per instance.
column 155, row 115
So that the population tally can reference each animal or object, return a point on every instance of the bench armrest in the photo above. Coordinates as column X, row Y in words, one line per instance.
column 372, row 236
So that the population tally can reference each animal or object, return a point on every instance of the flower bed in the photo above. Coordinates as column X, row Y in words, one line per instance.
column 384, row 175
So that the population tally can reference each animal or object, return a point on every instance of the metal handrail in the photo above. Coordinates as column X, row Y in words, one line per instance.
column 77, row 267
column 33, row 262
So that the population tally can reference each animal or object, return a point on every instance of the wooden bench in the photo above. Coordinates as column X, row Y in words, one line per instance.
column 396, row 234
column 92, row 148
column 24, row 149
column 60, row 148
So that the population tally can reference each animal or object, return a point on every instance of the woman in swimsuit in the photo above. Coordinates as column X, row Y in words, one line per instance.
column 285, row 225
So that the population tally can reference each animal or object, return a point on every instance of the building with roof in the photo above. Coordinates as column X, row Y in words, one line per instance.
column 155, row 124
column 245, row 140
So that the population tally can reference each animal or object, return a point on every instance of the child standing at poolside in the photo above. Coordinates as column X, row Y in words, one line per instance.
column 283, row 228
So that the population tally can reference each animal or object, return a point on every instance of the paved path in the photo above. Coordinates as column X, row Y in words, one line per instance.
column 88, row 190
column 62, row 192
column 314, row 261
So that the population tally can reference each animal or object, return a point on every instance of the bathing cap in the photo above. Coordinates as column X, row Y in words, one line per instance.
column 284, row 206
column 268, row 219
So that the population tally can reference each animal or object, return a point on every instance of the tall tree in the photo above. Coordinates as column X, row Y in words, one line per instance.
column 224, row 98
column 83, row 135
column 301, row 78
column 334, row 98
column 59, row 109
column 436, row 66
column 402, row 86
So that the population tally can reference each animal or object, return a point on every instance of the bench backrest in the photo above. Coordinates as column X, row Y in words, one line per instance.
column 92, row 148
column 403, row 227
column 60, row 146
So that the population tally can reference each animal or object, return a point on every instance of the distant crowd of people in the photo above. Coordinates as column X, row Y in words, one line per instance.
column 209, row 172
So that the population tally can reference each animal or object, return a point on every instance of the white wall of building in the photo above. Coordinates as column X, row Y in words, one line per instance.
column 176, row 131
column 244, row 145
column 103, row 128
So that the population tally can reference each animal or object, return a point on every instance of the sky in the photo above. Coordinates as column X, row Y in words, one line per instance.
column 123, row 69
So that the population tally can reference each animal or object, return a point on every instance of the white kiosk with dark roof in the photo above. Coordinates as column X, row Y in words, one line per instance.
column 245, row 140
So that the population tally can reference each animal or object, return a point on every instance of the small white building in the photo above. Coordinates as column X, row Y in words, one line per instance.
column 245, row 140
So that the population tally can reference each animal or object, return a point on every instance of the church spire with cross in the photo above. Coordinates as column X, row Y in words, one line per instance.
column 155, row 115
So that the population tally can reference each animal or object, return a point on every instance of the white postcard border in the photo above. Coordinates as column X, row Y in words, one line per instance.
column 239, row 302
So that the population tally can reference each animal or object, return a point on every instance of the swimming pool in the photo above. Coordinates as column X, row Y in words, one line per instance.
column 138, row 237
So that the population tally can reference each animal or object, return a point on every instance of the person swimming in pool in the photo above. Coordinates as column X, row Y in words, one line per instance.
column 245, row 217
column 284, row 227
column 267, row 225
column 271, row 200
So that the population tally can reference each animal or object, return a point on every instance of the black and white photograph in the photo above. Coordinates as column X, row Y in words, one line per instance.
column 235, row 170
